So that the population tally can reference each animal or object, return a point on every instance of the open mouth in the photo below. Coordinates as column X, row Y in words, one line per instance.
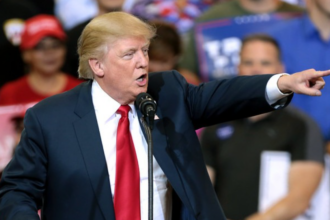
column 141, row 78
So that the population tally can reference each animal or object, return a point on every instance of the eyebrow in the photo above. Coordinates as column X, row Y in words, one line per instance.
column 135, row 49
column 146, row 45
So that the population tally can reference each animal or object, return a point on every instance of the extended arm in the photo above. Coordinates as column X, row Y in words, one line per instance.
column 304, row 178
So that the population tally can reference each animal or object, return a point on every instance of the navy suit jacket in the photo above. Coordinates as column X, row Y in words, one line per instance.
column 60, row 166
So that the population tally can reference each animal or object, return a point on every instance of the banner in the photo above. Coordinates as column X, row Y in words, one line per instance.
column 11, row 125
column 218, row 42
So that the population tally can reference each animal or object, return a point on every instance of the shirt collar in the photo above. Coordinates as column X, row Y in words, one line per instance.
column 105, row 104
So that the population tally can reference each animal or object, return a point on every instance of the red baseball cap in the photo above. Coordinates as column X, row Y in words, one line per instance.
column 38, row 27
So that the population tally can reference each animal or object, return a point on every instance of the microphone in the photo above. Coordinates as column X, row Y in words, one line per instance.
column 147, row 106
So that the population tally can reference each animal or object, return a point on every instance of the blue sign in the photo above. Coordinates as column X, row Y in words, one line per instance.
column 218, row 42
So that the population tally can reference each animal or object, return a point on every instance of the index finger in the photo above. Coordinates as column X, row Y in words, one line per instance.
column 322, row 73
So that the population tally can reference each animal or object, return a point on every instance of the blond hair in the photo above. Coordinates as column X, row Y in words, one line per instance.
column 104, row 30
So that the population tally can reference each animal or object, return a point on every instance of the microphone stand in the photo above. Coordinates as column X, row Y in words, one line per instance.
column 150, row 166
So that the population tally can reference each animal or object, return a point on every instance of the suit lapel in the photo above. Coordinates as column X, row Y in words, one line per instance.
column 92, row 151
column 164, row 155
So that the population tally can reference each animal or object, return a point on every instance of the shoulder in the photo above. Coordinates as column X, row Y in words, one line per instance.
column 299, row 122
column 299, row 115
column 73, row 81
column 163, row 85
column 287, row 7
column 164, row 74
column 165, row 78
column 310, row 137
column 14, row 85
column 66, row 100
column 289, row 116
column 15, row 92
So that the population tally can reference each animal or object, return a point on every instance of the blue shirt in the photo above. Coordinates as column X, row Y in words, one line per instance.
column 303, row 48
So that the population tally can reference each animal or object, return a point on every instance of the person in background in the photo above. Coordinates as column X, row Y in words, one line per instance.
column 189, row 66
column 309, row 36
column 43, row 50
column 73, row 12
column 165, row 48
column 13, row 13
column 72, row 59
column 83, row 153
column 232, row 151
column 17, row 121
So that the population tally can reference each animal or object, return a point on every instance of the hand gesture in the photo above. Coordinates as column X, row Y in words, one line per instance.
column 308, row 82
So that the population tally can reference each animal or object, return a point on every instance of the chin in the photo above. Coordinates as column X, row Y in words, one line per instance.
column 49, row 69
column 142, row 90
column 49, row 72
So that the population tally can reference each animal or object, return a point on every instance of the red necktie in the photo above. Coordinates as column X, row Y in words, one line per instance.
column 127, row 185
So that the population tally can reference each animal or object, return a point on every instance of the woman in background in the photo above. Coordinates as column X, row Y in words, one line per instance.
column 43, row 51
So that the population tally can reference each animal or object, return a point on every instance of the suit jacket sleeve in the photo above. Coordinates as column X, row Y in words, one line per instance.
column 228, row 99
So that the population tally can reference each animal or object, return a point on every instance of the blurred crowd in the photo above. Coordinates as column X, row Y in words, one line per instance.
column 204, row 40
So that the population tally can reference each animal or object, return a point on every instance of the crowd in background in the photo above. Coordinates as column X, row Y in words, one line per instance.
column 38, row 58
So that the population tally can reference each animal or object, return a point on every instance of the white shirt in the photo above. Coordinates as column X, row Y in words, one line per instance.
column 107, row 119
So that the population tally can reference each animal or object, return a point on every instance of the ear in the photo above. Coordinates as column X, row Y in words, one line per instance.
column 96, row 67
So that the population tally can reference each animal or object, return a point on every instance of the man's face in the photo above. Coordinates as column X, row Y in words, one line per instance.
column 258, row 57
column 125, row 69
column 110, row 5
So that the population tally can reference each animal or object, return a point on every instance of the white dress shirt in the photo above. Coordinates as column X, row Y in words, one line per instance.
column 107, row 119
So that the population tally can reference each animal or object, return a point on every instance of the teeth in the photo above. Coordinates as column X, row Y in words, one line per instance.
column 140, row 79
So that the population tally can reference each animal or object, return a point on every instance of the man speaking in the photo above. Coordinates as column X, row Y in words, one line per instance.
column 83, row 153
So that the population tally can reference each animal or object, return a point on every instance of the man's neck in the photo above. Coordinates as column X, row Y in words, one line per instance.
column 260, row 6
column 321, row 19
